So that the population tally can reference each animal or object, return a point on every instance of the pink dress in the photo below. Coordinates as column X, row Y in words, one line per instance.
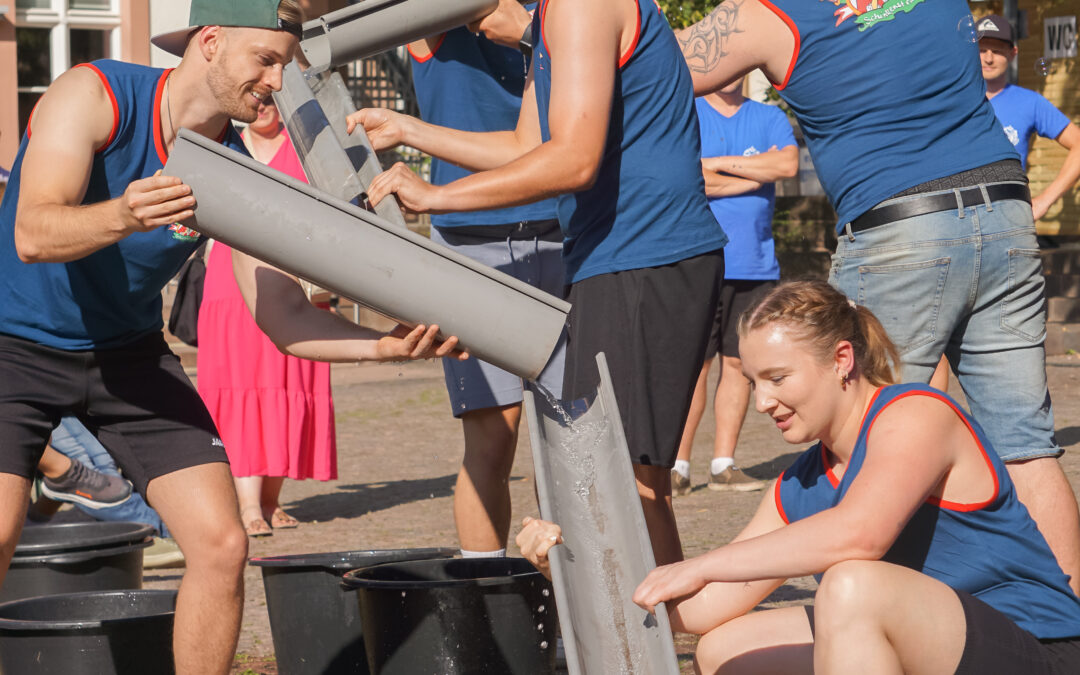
column 274, row 412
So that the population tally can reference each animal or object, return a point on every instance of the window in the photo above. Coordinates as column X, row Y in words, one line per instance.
column 53, row 35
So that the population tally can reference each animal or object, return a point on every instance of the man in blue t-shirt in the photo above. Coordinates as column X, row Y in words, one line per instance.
column 1024, row 112
column 745, row 146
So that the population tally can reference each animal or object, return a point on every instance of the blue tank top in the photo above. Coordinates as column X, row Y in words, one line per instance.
column 472, row 84
column 889, row 94
column 648, row 205
column 992, row 550
column 112, row 297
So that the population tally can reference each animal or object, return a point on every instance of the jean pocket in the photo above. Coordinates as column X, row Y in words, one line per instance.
column 906, row 298
column 1022, row 310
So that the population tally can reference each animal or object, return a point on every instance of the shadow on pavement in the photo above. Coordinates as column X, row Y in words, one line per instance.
column 358, row 499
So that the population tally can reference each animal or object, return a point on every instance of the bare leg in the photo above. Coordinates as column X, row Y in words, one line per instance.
column 1043, row 488
column 14, row 498
column 53, row 464
column 482, row 494
column 876, row 617
column 732, row 400
column 654, row 488
column 771, row 641
column 249, row 493
column 199, row 507
column 940, row 379
column 697, row 410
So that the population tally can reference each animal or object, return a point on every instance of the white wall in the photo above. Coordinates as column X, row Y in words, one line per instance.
column 166, row 16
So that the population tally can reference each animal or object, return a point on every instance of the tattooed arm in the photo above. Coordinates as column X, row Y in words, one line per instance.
column 737, row 37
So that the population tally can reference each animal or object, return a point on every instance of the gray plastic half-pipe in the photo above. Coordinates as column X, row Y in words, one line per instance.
column 373, row 26
column 314, row 107
column 585, row 483
column 355, row 253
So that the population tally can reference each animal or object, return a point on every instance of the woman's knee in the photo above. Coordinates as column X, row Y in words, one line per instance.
column 847, row 589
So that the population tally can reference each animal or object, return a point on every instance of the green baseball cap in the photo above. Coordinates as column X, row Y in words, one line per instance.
column 249, row 13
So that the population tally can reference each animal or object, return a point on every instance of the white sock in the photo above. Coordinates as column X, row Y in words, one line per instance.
column 501, row 553
column 721, row 463
column 683, row 467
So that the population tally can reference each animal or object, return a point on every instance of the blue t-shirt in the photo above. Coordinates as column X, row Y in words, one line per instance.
column 1023, row 112
column 992, row 550
column 889, row 94
column 472, row 84
column 746, row 218
column 647, row 207
column 111, row 297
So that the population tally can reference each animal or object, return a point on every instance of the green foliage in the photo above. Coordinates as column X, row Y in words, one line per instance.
column 682, row 13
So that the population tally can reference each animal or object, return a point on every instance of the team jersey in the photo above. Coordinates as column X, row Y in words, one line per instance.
column 992, row 549
column 889, row 94
column 746, row 218
column 111, row 297
column 1023, row 112
column 647, row 207
column 472, row 84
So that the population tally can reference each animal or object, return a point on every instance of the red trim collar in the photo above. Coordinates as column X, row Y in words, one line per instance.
column 431, row 53
column 833, row 478
column 155, row 122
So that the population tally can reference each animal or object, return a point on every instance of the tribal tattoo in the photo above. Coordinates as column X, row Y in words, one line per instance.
column 703, row 44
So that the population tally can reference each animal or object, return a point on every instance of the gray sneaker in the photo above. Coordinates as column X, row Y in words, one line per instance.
column 733, row 478
column 164, row 552
column 82, row 485
column 680, row 485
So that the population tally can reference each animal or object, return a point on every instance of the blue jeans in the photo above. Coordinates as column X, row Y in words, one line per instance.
column 72, row 439
column 968, row 283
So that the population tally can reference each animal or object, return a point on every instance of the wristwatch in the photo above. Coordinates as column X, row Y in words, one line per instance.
column 525, row 44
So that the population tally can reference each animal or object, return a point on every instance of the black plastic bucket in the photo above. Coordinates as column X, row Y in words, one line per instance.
column 456, row 617
column 315, row 623
column 116, row 632
column 75, row 558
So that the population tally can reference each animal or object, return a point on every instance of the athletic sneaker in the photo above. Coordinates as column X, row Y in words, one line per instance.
column 733, row 478
column 83, row 485
column 680, row 484
column 164, row 552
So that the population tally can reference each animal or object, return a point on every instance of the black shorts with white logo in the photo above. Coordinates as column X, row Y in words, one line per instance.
column 135, row 399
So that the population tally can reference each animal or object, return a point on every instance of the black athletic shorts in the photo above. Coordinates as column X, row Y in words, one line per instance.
column 135, row 399
column 652, row 324
column 997, row 646
column 735, row 296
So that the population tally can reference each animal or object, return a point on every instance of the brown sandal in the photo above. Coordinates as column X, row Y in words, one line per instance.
column 256, row 527
column 280, row 520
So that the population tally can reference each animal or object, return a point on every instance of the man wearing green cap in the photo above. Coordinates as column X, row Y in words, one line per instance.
column 80, row 328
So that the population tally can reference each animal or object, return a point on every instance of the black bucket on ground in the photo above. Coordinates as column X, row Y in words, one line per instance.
column 75, row 558
column 456, row 617
column 314, row 622
column 110, row 633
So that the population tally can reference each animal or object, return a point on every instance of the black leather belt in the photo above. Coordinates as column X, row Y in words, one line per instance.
column 919, row 206
column 527, row 229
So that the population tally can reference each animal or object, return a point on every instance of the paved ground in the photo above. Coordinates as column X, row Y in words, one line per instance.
column 399, row 451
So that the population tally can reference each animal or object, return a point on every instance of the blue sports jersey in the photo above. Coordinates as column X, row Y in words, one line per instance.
column 647, row 207
column 112, row 297
column 746, row 218
column 889, row 94
column 992, row 550
column 1023, row 112
column 472, row 84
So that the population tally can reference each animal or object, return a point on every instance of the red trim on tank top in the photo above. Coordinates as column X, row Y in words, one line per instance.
column 798, row 42
column 637, row 36
column 425, row 59
column 543, row 15
column 112, row 100
column 779, row 501
column 938, row 501
column 155, row 120
column 833, row 479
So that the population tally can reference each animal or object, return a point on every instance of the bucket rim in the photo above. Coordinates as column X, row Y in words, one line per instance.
column 71, row 556
column 79, row 624
column 113, row 532
column 354, row 580
column 346, row 560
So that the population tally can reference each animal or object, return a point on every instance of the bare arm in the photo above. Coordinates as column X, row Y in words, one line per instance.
column 735, row 38
column 298, row 328
column 719, row 185
column 50, row 223
column 765, row 167
column 1067, row 176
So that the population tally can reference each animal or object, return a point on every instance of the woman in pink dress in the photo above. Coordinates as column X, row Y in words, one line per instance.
column 274, row 412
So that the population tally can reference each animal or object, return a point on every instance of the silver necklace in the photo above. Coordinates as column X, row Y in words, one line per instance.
column 168, row 107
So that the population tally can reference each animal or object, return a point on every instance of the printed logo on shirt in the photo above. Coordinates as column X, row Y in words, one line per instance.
column 750, row 152
column 216, row 442
column 871, row 12
column 181, row 233
column 1012, row 134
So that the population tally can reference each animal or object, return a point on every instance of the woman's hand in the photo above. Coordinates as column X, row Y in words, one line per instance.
column 385, row 128
column 670, row 582
column 536, row 539
column 404, row 344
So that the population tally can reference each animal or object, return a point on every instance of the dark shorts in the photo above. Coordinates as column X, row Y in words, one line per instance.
column 735, row 296
column 136, row 400
column 652, row 324
column 996, row 645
